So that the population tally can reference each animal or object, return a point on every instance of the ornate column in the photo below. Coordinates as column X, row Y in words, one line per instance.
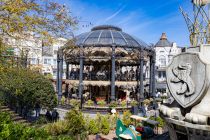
column 59, row 73
column 81, row 59
column 152, row 87
column 113, row 74
column 138, row 81
column 141, row 96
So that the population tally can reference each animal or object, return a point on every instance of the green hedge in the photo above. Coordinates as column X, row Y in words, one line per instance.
column 16, row 131
column 23, row 87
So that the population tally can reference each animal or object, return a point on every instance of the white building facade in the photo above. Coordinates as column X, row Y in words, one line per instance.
column 49, row 58
column 38, row 56
column 165, row 50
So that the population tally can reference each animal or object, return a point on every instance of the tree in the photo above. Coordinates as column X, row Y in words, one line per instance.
column 44, row 18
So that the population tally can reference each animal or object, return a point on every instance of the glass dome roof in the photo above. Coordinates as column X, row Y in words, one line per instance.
column 107, row 35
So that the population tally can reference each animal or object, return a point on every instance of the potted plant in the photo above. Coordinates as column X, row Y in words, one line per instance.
column 101, row 103
column 134, row 103
column 146, row 103
column 124, row 103
column 89, row 103
column 113, row 104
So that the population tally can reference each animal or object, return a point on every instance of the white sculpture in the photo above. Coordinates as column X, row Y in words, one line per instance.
column 188, row 83
column 182, row 75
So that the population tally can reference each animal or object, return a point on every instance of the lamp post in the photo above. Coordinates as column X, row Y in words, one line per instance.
column 26, row 58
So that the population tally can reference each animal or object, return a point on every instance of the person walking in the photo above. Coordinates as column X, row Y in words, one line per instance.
column 37, row 109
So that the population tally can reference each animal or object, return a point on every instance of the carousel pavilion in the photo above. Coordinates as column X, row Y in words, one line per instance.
column 107, row 63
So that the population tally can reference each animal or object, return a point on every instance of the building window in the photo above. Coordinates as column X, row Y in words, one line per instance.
column 162, row 61
column 54, row 61
column 47, row 61
column 54, row 72
column 159, row 74
column 33, row 60
column 164, row 74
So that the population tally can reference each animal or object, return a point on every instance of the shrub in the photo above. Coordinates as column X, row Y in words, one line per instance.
column 101, row 103
column 105, row 126
column 124, row 103
column 63, row 100
column 126, row 118
column 93, row 127
column 23, row 86
column 158, row 119
column 16, row 131
column 76, row 122
column 98, row 120
column 41, row 120
column 134, row 103
column 112, row 120
column 75, row 103
column 90, row 103
column 57, row 128
column 146, row 102
column 101, row 124
column 113, row 104
column 151, row 99
column 63, row 137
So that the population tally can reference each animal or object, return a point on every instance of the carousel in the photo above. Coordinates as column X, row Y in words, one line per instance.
column 107, row 64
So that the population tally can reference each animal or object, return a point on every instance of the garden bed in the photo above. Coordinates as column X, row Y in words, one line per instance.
column 104, row 109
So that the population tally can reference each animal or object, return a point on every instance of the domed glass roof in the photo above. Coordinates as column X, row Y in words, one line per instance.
column 107, row 35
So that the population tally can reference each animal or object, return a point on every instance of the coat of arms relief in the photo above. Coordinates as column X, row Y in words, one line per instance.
column 182, row 75
column 188, row 83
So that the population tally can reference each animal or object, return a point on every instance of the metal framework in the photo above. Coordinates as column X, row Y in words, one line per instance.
column 108, row 46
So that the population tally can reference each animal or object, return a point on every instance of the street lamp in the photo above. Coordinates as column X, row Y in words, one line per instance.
column 26, row 58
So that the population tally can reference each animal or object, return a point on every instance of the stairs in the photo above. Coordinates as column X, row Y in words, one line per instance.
column 14, row 116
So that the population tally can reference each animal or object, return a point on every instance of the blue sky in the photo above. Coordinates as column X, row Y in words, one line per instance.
column 145, row 19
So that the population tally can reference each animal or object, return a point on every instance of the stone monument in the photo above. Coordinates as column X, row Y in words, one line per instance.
column 188, row 81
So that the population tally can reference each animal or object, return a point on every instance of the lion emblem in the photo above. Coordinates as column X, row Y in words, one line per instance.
column 182, row 75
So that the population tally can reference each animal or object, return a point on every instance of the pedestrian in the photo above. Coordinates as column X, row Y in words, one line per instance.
column 37, row 109
column 55, row 115
column 48, row 115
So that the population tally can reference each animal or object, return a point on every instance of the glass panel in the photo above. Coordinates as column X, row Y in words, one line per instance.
column 120, row 41
column 94, row 34
column 91, row 41
column 104, row 41
column 81, row 37
column 162, row 60
column 106, row 38
column 116, row 34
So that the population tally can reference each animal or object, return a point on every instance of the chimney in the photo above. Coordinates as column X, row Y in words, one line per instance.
column 163, row 36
